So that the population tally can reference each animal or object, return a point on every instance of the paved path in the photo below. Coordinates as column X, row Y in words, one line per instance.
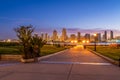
column 73, row 64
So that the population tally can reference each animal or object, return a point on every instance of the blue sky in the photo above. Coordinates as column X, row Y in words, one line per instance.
column 47, row 15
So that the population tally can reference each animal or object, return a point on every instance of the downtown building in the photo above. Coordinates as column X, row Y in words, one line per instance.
column 72, row 37
column 98, row 37
column 55, row 36
column 78, row 37
column 105, row 36
column 111, row 35
column 87, row 36
column 64, row 36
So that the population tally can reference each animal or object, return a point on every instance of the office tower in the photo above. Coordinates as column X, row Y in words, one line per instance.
column 42, row 36
column 72, row 37
column 54, row 36
column 111, row 34
column 92, row 38
column 46, row 36
column 64, row 35
column 99, row 37
column 78, row 36
column 105, row 35
column 87, row 36
column 49, row 38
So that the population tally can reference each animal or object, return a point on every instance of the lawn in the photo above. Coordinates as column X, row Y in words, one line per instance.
column 113, row 53
column 49, row 49
column 46, row 49
column 9, row 50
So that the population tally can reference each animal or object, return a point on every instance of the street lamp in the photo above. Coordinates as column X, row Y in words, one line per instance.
column 95, row 35
column 85, row 43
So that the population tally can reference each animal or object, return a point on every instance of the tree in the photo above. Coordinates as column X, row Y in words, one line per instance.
column 31, row 44
column 24, row 33
column 37, row 43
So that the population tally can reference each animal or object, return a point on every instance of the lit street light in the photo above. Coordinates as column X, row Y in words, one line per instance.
column 85, row 42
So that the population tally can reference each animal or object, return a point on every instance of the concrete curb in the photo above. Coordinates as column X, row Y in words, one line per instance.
column 106, row 58
column 43, row 57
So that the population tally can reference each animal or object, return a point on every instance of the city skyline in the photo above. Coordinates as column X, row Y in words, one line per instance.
column 68, row 32
column 106, row 36
column 46, row 15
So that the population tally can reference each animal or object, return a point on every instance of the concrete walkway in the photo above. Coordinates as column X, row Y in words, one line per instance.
column 73, row 64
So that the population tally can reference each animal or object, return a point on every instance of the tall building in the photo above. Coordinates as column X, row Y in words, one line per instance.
column 99, row 37
column 72, row 37
column 49, row 38
column 46, row 36
column 111, row 34
column 42, row 36
column 78, row 36
column 92, row 38
column 54, row 36
column 64, row 35
column 105, row 36
column 87, row 36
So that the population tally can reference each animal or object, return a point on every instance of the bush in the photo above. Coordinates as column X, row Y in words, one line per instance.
column 7, row 44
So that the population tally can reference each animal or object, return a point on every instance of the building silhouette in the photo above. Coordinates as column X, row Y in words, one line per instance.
column 78, row 37
column 46, row 36
column 111, row 35
column 87, row 36
column 42, row 36
column 54, row 36
column 72, row 37
column 105, row 36
column 99, row 37
column 64, row 35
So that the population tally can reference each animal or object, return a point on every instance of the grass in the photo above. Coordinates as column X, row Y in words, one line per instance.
column 9, row 50
column 113, row 53
column 45, row 50
column 49, row 49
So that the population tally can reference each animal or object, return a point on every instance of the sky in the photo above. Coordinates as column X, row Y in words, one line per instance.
column 47, row 15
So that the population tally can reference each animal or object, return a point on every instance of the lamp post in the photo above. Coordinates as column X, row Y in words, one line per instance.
column 85, row 43
column 95, row 35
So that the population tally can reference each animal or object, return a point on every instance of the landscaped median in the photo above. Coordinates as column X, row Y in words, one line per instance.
column 12, row 52
column 107, row 52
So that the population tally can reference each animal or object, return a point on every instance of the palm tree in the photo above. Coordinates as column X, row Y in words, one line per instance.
column 24, row 33
column 37, row 43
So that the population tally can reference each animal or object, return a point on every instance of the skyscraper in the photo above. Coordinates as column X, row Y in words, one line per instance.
column 72, row 37
column 99, row 37
column 87, row 36
column 64, row 35
column 78, row 36
column 42, row 36
column 55, row 36
column 46, row 36
column 111, row 34
column 105, row 36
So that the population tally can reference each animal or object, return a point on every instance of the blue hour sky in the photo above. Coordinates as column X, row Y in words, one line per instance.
column 47, row 15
